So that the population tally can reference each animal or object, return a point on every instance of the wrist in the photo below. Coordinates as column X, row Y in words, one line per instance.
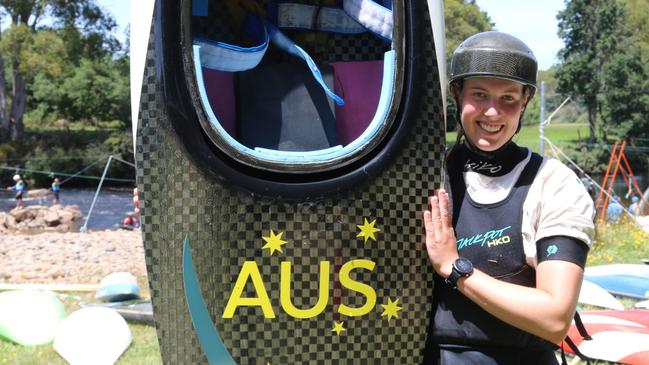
column 461, row 268
column 445, row 270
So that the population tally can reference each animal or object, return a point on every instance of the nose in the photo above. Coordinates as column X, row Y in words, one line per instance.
column 491, row 108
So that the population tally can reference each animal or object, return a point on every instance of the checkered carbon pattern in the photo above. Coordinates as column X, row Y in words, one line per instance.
column 225, row 228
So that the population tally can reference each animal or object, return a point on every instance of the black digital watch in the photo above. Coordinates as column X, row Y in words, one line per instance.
column 462, row 267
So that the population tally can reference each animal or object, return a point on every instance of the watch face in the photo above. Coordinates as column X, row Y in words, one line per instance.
column 464, row 266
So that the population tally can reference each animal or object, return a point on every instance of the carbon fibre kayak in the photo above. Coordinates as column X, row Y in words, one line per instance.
column 281, row 203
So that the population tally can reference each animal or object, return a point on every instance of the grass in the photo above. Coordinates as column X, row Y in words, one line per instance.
column 622, row 242
column 559, row 134
column 143, row 350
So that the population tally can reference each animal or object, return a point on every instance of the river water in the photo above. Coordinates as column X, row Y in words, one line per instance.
column 109, row 210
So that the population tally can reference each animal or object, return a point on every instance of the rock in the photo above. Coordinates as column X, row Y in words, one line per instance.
column 38, row 218
column 27, row 213
column 7, row 221
column 51, row 219
column 36, row 223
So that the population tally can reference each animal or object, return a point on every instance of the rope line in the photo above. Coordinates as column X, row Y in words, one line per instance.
column 82, row 170
column 89, row 177
column 50, row 158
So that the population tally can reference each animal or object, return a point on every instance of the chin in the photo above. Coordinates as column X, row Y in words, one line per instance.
column 488, row 147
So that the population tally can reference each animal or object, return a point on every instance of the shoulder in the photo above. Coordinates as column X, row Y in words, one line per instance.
column 560, row 203
column 554, row 174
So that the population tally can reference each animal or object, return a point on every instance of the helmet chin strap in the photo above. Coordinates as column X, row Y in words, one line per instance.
column 487, row 155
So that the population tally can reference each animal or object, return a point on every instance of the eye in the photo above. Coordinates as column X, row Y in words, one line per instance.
column 508, row 98
column 479, row 95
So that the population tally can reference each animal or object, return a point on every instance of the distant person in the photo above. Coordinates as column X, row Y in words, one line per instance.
column 130, row 222
column 19, row 188
column 634, row 208
column 614, row 210
column 588, row 184
column 56, row 189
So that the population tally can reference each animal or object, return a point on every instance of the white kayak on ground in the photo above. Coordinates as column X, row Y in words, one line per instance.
column 642, row 305
column 118, row 287
column 593, row 294
column 93, row 335
column 30, row 317
column 618, row 269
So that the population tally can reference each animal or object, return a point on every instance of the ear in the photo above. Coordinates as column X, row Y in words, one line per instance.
column 527, row 96
column 455, row 92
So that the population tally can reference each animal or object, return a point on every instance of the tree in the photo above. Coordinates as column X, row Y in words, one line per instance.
column 592, row 31
column 5, row 127
column 462, row 18
column 94, row 90
column 72, row 18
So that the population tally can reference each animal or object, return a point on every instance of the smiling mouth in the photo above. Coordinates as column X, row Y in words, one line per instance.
column 490, row 128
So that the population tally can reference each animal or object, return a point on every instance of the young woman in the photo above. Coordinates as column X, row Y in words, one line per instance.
column 509, row 235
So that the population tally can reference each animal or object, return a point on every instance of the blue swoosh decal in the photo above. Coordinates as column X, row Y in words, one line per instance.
column 207, row 333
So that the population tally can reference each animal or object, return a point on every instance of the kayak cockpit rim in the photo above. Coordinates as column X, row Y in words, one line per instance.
column 299, row 162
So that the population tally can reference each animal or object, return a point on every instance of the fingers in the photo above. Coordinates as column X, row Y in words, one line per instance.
column 444, row 208
column 435, row 212
column 428, row 222
column 437, row 220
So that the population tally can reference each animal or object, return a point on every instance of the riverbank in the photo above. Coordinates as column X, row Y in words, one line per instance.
column 72, row 257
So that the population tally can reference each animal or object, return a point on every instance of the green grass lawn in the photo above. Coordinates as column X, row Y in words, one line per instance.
column 559, row 134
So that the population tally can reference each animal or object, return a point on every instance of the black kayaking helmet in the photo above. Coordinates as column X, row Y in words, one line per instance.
column 494, row 54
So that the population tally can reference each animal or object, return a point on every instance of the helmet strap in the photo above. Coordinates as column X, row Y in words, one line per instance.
column 498, row 163
column 486, row 155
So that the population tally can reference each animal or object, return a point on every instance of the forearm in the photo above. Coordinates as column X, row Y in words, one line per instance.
column 545, row 311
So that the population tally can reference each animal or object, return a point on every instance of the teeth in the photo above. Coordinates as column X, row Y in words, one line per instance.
column 490, row 128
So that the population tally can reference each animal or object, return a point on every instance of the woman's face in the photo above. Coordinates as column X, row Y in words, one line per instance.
column 491, row 109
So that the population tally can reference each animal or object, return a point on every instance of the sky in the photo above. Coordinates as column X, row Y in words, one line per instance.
column 532, row 21
column 121, row 11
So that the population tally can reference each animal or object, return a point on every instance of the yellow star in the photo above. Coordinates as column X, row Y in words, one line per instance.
column 338, row 328
column 274, row 243
column 367, row 230
column 391, row 309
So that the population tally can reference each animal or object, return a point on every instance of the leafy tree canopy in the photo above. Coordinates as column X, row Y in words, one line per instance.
column 48, row 41
column 606, row 68
column 463, row 18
